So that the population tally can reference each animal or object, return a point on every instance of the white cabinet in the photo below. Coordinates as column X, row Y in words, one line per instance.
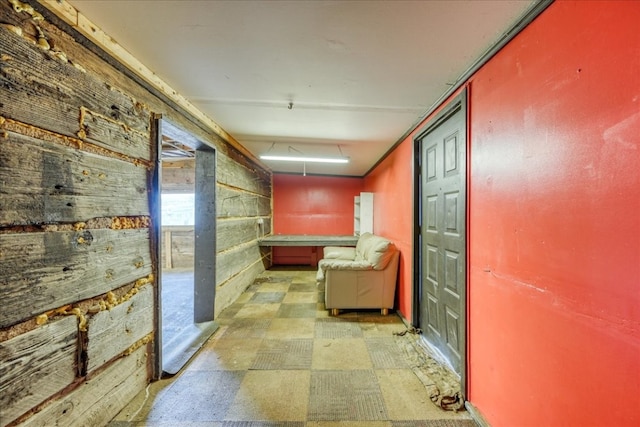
column 363, row 213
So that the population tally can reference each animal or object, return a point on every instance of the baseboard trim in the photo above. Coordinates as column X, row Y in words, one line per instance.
column 476, row 415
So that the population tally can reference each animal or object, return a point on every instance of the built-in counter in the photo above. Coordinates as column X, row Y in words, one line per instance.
column 311, row 241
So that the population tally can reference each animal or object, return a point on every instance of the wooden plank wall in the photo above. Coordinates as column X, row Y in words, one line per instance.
column 77, row 261
column 178, row 177
column 243, row 205
column 178, row 247
column 35, row 370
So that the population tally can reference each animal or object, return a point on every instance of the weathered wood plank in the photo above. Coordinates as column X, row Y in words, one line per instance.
column 228, row 291
column 111, row 332
column 231, row 262
column 29, row 94
column 166, row 251
column 180, row 177
column 179, row 163
column 104, row 68
column 35, row 366
column 45, row 270
column 183, row 249
column 99, row 128
column 179, row 180
column 233, row 174
column 153, row 97
column 94, row 33
column 233, row 232
column 228, row 173
column 233, row 203
column 111, row 106
column 99, row 398
column 43, row 182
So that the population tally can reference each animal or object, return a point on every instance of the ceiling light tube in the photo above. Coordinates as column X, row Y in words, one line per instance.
column 306, row 159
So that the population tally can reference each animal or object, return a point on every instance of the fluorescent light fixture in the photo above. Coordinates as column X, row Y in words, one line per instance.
column 306, row 159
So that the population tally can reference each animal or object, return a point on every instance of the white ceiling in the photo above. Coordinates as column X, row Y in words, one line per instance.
column 360, row 74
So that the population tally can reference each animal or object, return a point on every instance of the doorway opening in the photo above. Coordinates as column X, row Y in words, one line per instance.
column 185, row 229
column 440, row 212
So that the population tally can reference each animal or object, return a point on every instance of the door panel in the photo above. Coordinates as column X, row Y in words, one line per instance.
column 442, row 223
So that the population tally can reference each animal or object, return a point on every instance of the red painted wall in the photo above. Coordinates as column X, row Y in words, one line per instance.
column 311, row 205
column 554, row 221
column 392, row 184
column 392, row 214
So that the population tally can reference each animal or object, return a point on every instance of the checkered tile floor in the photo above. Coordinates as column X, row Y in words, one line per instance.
column 279, row 360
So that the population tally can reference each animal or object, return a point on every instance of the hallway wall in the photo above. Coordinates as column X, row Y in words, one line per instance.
column 554, row 234
column 391, row 182
column 77, row 252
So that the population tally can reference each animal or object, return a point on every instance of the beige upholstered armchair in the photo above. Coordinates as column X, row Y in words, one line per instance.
column 360, row 277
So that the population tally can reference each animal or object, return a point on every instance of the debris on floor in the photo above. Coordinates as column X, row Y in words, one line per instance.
column 442, row 384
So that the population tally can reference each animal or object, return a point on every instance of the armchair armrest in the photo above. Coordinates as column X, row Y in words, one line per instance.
column 339, row 252
column 341, row 264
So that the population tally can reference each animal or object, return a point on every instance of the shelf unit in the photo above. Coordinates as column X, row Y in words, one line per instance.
column 363, row 214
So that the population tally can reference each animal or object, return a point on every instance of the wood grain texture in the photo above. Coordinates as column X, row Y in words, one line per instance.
column 234, row 232
column 179, row 179
column 182, row 249
column 237, row 175
column 98, row 127
column 97, row 401
column 46, row 270
column 107, row 111
column 30, row 95
column 238, row 203
column 111, row 332
column 42, row 182
column 228, row 291
column 81, row 23
column 36, row 365
column 231, row 262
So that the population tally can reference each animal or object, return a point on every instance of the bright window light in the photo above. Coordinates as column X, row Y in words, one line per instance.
column 178, row 209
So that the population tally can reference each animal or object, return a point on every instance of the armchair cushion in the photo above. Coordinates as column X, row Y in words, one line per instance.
column 362, row 246
column 379, row 252
column 339, row 252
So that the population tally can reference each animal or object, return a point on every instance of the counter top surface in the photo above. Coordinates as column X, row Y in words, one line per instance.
column 307, row 240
